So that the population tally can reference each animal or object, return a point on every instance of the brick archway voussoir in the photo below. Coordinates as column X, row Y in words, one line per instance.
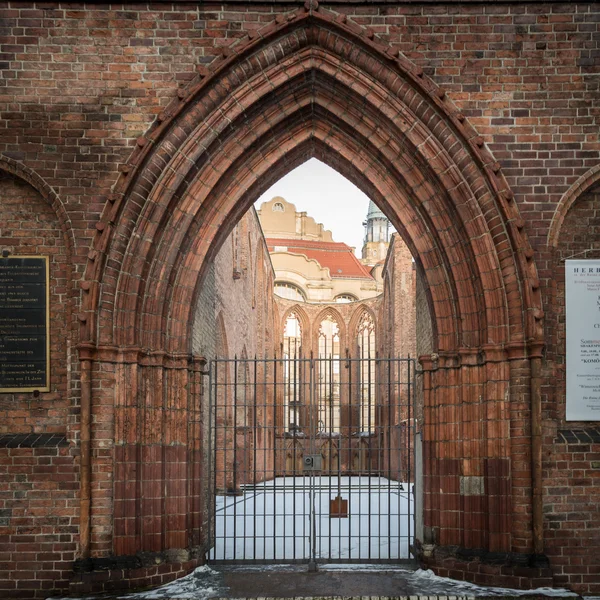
column 246, row 180
column 472, row 161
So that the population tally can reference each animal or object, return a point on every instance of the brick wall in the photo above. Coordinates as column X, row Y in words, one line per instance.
column 579, row 238
column 572, row 449
column 38, row 468
column 234, row 294
column 399, row 302
column 205, row 324
column 571, row 508
column 29, row 225
column 38, row 514
column 80, row 84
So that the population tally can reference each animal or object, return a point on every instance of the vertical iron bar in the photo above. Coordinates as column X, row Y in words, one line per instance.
column 339, row 461
column 234, row 442
column 266, row 436
column 294, row 449
column 362, row 463
column 331, row 431
column 399, row 363
column 274, row 459
column 378, row 430
column 389, row 449
column 226, row 402
column 254, row 436
column 408, row 435
column 245, row 457
column 283, row 492
column 369, row 400
column 212, row 460
column 351, row 466
column 312, row 564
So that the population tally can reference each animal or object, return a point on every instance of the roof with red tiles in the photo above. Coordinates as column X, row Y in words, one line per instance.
column 338, row 257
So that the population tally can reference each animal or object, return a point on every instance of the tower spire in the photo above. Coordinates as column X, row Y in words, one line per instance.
column 377, row 236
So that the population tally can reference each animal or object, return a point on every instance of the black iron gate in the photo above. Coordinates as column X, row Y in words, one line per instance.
column 312, row 459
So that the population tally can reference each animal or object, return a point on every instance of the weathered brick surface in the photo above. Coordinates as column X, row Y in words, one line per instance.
column 38, row 516
column 571, row 510
column 506, row 99
column 28, row 225
column 571, row 460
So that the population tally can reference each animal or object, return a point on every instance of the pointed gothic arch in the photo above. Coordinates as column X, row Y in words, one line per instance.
column 330, row 312
column 416, row 145
column 312, row 85
column 355, row 321
column 582, row 185
column 48, row 194
column 221, row 345
column 304, row 323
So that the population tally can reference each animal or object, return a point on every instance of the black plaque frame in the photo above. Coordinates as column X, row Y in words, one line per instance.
column 46, row 262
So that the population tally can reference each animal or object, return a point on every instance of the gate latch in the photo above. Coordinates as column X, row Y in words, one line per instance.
column 312, row 462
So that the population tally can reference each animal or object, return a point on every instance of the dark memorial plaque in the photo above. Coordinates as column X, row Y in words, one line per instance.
column 24, row 324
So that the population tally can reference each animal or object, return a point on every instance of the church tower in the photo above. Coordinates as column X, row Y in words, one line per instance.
column 377, row 237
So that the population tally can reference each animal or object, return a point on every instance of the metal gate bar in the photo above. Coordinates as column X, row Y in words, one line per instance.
column 311, row 459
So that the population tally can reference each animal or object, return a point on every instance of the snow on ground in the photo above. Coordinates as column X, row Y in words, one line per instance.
column 429, row 583
column 417, row 583
column 205, row 583
column 202, row 583
column 278, row 512
column 272, row 520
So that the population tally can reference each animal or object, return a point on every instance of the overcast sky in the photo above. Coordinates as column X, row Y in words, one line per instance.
column 327, row 197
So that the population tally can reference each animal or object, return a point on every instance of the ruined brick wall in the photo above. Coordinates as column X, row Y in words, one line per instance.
column 234, row 320
column 244, row 278
column 424, row 330
column 572, row 449
column 205, row 325
column 424, row 341
column 234, row 296
column 81, row 83
column 399, row 320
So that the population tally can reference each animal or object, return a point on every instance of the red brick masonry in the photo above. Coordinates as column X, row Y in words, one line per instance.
column 134, row 136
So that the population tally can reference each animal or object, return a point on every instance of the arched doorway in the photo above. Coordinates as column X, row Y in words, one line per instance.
column 314, row 86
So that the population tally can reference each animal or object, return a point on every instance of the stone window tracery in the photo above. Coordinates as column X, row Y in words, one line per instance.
column 292, row 344
column 328, row 375
column 367, row 365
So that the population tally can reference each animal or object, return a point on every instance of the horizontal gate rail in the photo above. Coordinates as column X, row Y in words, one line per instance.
column 312, row 459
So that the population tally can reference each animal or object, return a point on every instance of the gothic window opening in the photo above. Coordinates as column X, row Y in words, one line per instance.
column 367, row 375
column 329, row 376
column 292, row 344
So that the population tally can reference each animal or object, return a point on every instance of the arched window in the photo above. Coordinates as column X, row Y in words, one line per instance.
column 365, row 338
column 328, row 388
column 289, row 291
column 345, row 298
column 292, row 370
column 278, row 207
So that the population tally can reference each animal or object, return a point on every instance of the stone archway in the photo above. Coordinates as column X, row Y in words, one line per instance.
column 314, row 85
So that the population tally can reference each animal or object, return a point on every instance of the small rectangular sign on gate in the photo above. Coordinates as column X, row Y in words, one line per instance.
column 338, row 508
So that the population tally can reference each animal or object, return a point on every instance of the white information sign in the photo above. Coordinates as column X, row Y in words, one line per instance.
column 582, row 283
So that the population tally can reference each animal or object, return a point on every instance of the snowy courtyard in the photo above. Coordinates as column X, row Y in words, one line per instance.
column 272, row 520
